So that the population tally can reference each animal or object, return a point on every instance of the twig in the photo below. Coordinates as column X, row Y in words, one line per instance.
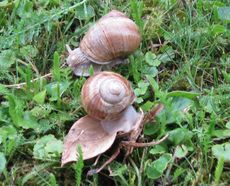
column 152, row 113
column 135, row 144
column 20, row 85
column 97, row 159
column 115, row 154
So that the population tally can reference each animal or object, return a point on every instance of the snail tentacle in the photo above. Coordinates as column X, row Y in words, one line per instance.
column 79, row 63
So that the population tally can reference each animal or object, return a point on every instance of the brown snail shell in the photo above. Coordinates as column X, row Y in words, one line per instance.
column 113, row 37
column 106, row 94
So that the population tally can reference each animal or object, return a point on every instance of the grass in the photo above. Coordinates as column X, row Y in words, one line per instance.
column 183, row 62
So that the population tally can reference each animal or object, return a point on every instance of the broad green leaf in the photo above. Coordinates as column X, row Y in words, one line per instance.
column 162, row 162
column 143, row 85
column 181, row 151
column 222, row 151
column 7, row 58
column 54, row 146
column 47, row 147
column 153, row 83
column 150, row 128
column 224, row 13
column 153, row 173
column 29, row 121
column 180, row 135
column 15, row 109
column 2, row 162
column 218, row 29
column 152, row 71
column 152, row 60
column 149, row 57
column 228, row 125
column 4, row 3
column 167, row 55
column 84, row 12
column 157, row 167
column 189, row 95
column 52, row 180
column 141, row 90
column 156, row 62
column 176, row 111
column 28, row 51
column 139, row 100
column 40, row 97
column 158, row 149
column 181, row 104
column 118, row 169
column 56, row 89
column 221, row 133
column 147, row 106
column 8, row 132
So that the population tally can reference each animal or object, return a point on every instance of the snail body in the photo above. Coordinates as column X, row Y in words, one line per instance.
column 111, row 39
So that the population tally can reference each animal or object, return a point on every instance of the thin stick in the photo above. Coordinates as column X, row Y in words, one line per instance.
column 152, row 113
column 20, row 85
column 115, row 154
column 134, row 144
column 97, row 159
column 68, row 48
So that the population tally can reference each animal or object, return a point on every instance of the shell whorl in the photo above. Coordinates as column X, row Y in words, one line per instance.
column 106, row 94
column 112, row 90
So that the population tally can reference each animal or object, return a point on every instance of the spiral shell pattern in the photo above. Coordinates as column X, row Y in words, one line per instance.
column 106, row 94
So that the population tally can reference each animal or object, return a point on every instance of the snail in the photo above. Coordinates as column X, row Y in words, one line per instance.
column 107, row 98
column 108, row 42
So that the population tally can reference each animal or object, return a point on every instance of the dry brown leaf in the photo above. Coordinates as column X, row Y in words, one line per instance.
column 88, row 133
